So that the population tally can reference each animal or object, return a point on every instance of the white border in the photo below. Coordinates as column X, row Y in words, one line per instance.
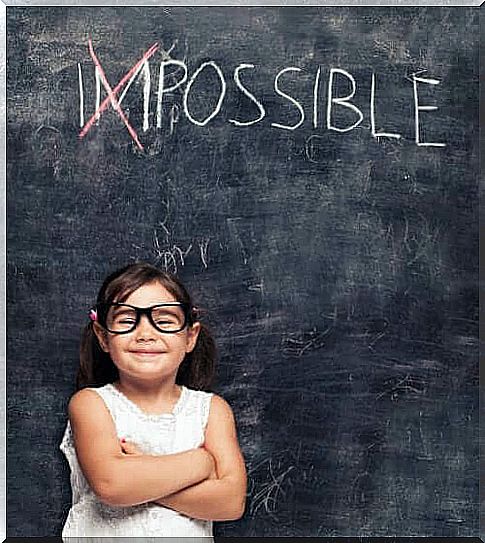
column 3, row 116
column 300, row 3
column 3, row 275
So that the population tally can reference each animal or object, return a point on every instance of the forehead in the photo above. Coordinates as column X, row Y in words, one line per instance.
column 150, row 294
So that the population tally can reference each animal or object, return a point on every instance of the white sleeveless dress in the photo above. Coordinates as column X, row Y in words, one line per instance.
column 179, row 431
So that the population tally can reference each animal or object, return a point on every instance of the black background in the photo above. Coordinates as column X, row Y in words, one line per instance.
column 339, row 270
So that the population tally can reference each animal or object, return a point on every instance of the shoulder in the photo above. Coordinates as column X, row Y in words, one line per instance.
column 218, row 403
column 83, row 401
column 220, row 411
column 89, row 415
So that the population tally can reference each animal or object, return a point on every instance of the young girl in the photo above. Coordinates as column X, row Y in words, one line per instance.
column 151, row 452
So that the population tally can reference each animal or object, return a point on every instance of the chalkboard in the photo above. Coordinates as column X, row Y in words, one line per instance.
column 312, row 176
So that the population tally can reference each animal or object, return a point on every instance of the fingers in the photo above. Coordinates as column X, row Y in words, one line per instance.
column 128, row 447
column 213, row 474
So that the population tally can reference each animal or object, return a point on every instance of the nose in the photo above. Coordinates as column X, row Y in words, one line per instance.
column 144, row 331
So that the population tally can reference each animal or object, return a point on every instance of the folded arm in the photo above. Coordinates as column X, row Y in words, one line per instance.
column 223, row 495
column 124, row 480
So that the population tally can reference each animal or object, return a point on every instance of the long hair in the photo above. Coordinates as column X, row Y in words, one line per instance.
column 96, row 367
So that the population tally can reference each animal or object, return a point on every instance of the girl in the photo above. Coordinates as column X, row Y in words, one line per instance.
column 151, row 452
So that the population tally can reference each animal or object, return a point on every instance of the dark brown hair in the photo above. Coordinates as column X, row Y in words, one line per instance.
column 96, row 367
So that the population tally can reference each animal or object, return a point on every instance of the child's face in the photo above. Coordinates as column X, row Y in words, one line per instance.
column 146, row 353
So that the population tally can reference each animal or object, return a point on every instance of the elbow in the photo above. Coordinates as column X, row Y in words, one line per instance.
column 233, row 514
column 241, row 501
column 109, row 492
column 240, row 509
column 115, row 497
column 237, row 503
column 236, row 509
column 105, row 492
column 112, row 498
column 111, row 488
column 238, row 513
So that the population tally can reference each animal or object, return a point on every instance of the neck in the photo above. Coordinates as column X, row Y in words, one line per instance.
column 152, row 391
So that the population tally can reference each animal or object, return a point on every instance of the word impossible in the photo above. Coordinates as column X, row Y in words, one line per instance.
column 185, row 84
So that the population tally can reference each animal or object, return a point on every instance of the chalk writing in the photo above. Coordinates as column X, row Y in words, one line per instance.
column 342, row 101
column 113, row 92
column 251, row 96
column 182, row 83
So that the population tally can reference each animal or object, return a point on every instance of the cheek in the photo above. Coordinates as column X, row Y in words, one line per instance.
column 114, row 344
column 181, row 343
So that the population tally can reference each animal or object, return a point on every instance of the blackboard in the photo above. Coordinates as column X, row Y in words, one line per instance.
column 313, row 178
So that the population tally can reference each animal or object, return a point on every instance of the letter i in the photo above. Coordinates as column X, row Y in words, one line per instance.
column 315, row 98
column 98, row 92
column 81, row 95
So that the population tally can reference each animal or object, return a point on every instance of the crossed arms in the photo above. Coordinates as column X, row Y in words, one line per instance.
column 207, row 483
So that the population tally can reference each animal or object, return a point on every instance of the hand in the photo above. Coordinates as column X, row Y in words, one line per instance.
column 213, row 474
column 128, row 447
column 207, row 458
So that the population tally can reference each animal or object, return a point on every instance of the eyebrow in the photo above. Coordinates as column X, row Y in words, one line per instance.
column 129, row 306
column 117, row 310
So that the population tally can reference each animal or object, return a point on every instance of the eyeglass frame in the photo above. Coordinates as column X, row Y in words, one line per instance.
column 187, row 309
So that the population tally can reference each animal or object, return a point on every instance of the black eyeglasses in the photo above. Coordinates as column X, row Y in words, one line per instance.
column 119, row 318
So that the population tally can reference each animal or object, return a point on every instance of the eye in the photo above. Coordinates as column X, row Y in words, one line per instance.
column 164, row 321
column 125, row 318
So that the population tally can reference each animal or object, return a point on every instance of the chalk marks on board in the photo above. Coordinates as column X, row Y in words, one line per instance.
column 376, row 330
column 172, row 258
column 319, row 149
column 342, row 115
column 235, row 230
column 396, row 386
column 48, row 147
column 266, row 493
column 297, row 344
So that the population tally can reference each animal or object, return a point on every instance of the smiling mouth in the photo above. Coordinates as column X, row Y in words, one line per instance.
column 147, row 353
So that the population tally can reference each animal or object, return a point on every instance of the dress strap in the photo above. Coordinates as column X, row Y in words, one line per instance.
column 198, row 405
column 108, row 398
column 205, row 407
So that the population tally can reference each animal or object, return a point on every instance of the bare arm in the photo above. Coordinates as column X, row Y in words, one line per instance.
column 124, row 480
column 222, row 497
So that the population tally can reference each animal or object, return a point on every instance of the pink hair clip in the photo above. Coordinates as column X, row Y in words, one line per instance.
column 93, row 315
